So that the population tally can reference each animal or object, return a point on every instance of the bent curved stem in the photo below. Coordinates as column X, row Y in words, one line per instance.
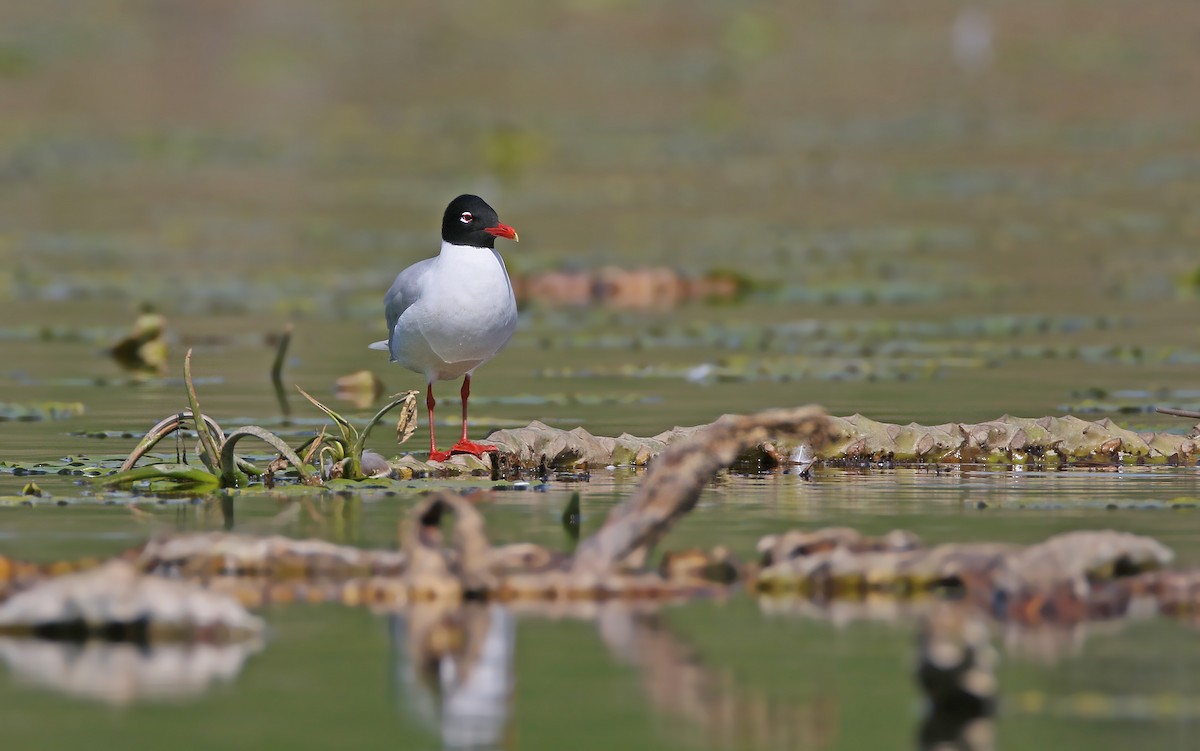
column 164, row 428
column 334, row 454
column 210, row 445
column 228, row 459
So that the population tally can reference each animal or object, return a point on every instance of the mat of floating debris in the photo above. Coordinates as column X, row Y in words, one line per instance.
column 1005, row 440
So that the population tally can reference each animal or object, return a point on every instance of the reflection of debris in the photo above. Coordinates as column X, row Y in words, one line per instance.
column 118, row 602
column 676, row 680
column 1064, row 580
column 281, row 347
column 117, row 673
column 1075, row 559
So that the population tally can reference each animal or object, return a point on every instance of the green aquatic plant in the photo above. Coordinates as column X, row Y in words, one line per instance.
column 347, row 450
column 222, row 467
column 510, row 152
column 1191, row 282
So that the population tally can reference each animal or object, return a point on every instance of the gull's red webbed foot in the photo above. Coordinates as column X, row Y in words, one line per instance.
column 470, row 447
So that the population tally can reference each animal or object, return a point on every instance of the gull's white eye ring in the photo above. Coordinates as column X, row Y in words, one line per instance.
column 465, row 217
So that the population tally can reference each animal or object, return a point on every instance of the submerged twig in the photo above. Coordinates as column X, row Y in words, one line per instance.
column 277, row 373
column 571, row 517
column 1191, row 414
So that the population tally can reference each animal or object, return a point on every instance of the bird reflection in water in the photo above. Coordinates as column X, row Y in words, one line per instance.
column 454, row 669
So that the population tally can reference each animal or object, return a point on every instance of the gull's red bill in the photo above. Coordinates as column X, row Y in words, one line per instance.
column 503, row 230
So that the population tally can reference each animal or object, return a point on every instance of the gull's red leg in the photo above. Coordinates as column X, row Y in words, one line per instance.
column 465, row 393
column 465, row 445
column 430, row 403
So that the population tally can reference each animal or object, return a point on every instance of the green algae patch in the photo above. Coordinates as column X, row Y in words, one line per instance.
column 157, row 478
column 374, row 484
column 35, row 411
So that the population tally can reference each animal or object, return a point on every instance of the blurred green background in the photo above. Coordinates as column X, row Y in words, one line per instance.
column 927, row 211
column 1024, row 174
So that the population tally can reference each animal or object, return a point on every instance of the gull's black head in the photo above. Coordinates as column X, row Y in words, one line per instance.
column 470, row 221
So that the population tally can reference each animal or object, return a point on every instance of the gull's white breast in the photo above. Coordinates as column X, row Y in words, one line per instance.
column 458, row 312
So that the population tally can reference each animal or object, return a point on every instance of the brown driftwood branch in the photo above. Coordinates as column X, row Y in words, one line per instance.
column 675, row 479
column 1190, row 414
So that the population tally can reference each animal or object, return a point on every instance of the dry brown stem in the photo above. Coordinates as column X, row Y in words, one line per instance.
column 675, row 479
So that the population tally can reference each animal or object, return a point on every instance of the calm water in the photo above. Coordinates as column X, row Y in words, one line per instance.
column 926, row 233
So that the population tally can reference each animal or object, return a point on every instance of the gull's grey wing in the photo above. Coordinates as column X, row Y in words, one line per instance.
column 404, row 292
